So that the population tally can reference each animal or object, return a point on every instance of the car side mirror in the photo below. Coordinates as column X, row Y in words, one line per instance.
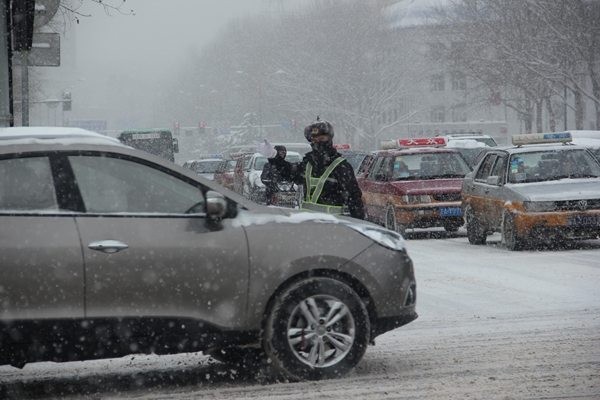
column 493, row 180
column 216, row 204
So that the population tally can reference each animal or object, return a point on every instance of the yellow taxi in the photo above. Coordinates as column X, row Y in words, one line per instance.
column 540, row 189
column 414, row 183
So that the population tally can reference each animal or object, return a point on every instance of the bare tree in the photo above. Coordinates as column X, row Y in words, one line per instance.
column 533, row 49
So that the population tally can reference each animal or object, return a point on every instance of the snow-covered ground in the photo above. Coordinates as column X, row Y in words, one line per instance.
column 493, row 324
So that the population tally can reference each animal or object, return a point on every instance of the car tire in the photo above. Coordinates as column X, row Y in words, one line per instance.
column 327, row 347
column 238, row 356
column 391, row 223
column 509, row 235
column 475, row 234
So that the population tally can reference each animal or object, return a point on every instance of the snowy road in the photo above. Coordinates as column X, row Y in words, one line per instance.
column 493, row 325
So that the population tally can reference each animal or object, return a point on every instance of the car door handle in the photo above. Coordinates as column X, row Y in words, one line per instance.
column 487, row 190
column 108, row 246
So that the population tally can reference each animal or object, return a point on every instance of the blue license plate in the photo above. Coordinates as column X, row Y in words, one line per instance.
column 450, row 211
column 583, row 220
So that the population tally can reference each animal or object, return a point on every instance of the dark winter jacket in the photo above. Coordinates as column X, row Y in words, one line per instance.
column 340, row 189
column 270, row 177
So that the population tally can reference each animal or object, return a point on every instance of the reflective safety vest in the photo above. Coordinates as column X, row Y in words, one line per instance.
column 314, row 188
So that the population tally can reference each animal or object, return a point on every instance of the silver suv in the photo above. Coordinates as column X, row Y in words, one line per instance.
column 108, row 251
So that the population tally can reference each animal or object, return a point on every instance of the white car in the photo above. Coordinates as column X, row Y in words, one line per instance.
column 205, row 167
column 252, row 187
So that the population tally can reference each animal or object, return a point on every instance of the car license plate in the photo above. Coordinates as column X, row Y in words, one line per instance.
column 583, row 220
column 450, row 211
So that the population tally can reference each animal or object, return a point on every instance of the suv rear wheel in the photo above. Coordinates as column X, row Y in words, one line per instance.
column 317, row 329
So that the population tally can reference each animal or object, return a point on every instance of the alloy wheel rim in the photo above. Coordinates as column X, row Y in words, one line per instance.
column 321, row 331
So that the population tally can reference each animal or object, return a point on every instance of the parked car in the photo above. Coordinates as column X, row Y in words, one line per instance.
column 113, row 251
column 205, row 166
column 224, row 173
column 534, row 191
column 252, row 186
column 417, row 186
column 241, row 163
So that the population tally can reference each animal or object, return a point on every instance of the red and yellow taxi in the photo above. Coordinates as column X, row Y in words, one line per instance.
column 541, row 189
column 414, row 183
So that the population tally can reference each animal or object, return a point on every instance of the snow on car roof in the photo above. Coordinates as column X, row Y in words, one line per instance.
column 465, row 143
column 53, row 135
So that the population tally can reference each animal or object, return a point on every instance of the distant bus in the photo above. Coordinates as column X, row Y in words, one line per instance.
column 159, row 142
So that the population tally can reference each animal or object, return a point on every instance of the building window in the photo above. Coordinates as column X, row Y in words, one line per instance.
column 459, row 81
column 436, row 51
column 437, row 83
column 459, row 113
column 438, row 114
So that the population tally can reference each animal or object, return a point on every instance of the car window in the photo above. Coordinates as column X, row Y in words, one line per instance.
column 113, row 185
column 365, row 163
column 259, row 163
column 485, row 168
column 355, row 159
column 230, row 166
column 204, row 167
column 499, row 168
column 383, row 173
column 375, row 168
column 26, row 185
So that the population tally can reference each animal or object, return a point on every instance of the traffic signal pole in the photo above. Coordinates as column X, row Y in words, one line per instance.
column 5, row 68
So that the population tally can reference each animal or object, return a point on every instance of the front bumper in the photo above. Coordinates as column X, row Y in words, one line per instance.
column 558, row 224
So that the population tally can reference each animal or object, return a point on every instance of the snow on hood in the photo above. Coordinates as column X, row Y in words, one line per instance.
column 374, row 232
column 563, row 189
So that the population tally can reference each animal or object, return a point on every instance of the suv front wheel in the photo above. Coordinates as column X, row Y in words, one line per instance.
column 317, row 329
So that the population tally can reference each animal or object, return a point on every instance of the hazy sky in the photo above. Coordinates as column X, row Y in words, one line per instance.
column 157, row 37
column 102, row 53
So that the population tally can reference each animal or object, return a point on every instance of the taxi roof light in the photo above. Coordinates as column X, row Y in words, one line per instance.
column 343, row 146
column 541, row 138
column 414, row 142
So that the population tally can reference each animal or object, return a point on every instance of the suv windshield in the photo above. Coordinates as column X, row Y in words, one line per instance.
column 550, row 165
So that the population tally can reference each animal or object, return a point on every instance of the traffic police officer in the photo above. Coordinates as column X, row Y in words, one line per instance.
column 329, row 182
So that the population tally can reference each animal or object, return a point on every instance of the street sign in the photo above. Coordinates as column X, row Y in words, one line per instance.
column 225, row 128
column 45, row 51
column 286, row 125
column 44, row 12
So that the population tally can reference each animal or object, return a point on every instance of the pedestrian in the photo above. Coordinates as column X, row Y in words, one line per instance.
column 329, row 182
column 270, row 175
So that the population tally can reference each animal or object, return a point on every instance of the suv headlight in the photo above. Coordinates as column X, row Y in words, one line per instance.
column 384, row 237
column 539, row 206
